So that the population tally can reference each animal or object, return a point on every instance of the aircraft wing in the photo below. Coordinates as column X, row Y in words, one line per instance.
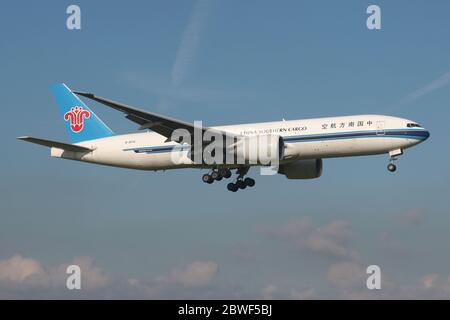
column 163, row 125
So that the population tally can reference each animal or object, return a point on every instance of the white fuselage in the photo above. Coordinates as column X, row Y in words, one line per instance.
column 304, row 139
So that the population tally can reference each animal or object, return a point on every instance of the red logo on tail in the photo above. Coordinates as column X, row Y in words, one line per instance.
column 76, row 116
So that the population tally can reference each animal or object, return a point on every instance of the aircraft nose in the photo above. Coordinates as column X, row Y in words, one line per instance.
column 426, row 134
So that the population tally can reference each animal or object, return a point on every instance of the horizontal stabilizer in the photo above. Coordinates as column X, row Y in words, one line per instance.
column 55, row 144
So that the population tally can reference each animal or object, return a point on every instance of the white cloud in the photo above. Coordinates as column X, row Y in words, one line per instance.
column 329, row 240
column 92, row 276
column 23, row 270
column 429, row 281
column 198, row 273
column 303, row 295
column 26, row 278
column 347, row 275
column 414, row 217
column 187, row 282
column 269, row 291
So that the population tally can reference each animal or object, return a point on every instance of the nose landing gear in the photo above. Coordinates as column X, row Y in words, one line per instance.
column 392, row 167
column 392, row 157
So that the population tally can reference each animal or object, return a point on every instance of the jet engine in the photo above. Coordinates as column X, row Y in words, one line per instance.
column 302, row 169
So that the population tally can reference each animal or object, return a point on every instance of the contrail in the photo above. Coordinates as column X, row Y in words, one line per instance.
column 187, row 49
column 190, row 41
column 436, row 84
column 432, row 86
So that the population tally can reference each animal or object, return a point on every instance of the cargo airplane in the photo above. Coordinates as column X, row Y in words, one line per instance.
column 300, row 144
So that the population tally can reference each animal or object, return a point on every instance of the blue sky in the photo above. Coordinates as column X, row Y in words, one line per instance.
column 156, row 235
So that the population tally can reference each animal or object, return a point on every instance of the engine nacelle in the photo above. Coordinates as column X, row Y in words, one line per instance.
column 302, row 169
column 260, row 149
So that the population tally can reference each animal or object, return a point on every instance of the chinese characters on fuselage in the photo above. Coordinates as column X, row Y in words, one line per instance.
column 349, row 124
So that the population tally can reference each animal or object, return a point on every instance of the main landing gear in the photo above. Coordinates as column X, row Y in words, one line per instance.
column 240, row 183
column 393, row 157
column 216, row 175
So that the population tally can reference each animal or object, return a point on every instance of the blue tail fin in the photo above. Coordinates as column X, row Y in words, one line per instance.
column 81, row 123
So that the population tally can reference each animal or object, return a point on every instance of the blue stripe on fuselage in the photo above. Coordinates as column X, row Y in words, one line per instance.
column 392, row 133
column 396, row 133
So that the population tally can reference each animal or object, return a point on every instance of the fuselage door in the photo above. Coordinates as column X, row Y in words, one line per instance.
column 381, row 130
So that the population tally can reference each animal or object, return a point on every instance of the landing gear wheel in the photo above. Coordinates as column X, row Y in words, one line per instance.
column 392, row 167
column 216, row 175
column 207, row 178
column 232, row 187
column 241, row 184
column 227, row 173
column 249, row 182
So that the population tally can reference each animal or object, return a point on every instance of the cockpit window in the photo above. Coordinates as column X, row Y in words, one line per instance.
column 413, row 125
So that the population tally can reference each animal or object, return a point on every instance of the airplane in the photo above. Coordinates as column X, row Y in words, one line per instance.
column 300, row 144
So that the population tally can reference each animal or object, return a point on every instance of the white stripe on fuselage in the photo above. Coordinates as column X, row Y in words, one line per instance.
column 118, row 150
